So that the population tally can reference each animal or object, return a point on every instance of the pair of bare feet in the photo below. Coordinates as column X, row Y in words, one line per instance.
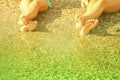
column 94, row 8
column 29, row 10
column 29, row 27
column 85, row 26
column 26, row 25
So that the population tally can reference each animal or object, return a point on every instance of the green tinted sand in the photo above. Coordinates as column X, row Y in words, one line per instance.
column 55, row 51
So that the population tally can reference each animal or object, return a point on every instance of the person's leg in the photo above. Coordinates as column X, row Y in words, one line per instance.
column 36, row 6
column 94, row 10
column 30, row 13
column 32, row 10
column 24, row 4
column 43, row 5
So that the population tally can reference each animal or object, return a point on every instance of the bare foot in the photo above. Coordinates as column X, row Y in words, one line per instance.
column 89, row 25
column 23, row 19
column 80, row 21
column 30, row 26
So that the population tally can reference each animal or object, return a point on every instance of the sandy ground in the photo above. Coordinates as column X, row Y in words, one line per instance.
column 55, row 48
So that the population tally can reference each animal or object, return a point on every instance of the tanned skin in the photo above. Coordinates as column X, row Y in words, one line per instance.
column 94, row 8
column 29, row 10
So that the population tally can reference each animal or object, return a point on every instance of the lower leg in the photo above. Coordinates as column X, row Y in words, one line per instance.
column 30, row 13
column 94, row 11
column 43, row 5
column 24, row 4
